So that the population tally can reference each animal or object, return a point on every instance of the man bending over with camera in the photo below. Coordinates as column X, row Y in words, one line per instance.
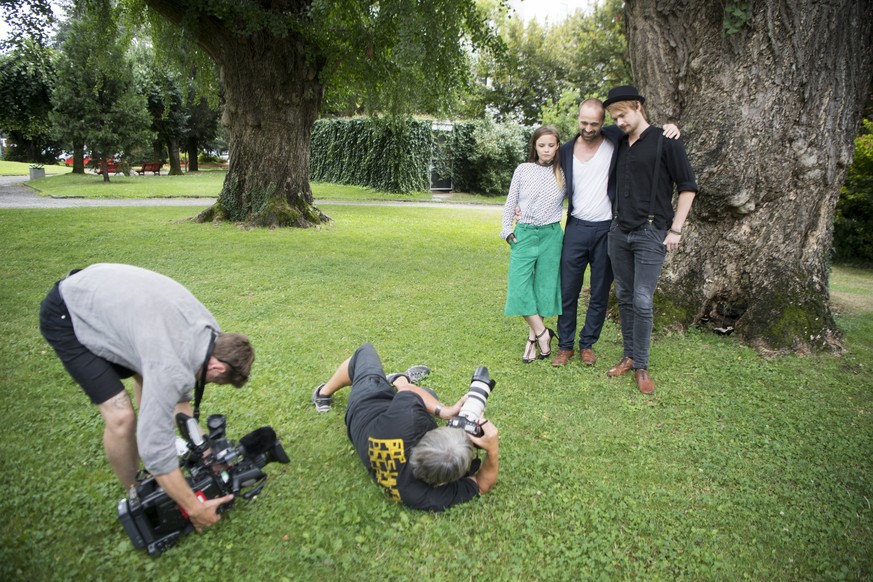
column 398, row 441
column 109, row 322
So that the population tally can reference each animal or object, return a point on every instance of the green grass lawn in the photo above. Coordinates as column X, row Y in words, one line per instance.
column 22, row 169
column 738, row 467
column 201, row 184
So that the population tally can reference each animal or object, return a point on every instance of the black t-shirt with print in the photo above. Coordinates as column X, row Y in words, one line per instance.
column 383, row 431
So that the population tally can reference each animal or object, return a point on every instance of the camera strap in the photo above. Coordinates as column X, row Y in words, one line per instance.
column 200, row 386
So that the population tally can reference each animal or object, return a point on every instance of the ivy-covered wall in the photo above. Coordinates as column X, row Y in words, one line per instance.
column 388, row 155
column 395, row 155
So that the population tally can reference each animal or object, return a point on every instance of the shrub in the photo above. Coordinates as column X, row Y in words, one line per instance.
column 853, row 219
column 205, row 158
column 398, row 155
column 486, row 154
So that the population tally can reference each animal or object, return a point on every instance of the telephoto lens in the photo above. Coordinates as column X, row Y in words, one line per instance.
column 481, row 386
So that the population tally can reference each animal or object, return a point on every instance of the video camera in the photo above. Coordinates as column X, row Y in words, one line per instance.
column 480, row 389
column 216, row 467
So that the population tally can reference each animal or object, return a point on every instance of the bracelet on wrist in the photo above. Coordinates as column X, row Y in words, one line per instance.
column 438, row 410
column 676, row 232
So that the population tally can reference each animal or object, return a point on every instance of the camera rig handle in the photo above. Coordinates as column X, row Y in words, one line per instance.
column 252, row 479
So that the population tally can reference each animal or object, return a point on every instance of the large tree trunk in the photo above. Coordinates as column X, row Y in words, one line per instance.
column 174, row 157
column 193, row 152
column 273, row 93
column 78, row 158
column 769, row 113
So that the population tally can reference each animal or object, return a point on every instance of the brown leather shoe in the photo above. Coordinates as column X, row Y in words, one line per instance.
column 624, row 365
column 563, row 358
column 644, row 381
column 588, row 357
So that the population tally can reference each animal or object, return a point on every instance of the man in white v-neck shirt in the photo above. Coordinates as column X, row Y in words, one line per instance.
column 588, row 162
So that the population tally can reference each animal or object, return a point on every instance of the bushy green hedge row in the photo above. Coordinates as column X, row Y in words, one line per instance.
column 853, row 220
column 389, row 155
column 397, row 155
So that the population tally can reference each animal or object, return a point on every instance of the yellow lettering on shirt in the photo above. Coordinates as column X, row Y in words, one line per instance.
column 386, row 455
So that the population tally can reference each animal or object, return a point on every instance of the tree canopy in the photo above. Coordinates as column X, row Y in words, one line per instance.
column 548, row 68
column 96, row 102
column 280, row 62
column 27, row 77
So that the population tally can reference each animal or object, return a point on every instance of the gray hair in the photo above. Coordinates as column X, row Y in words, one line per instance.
column 443, row 455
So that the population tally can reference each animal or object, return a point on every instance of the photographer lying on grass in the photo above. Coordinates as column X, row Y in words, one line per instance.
column 398, row 441
column 109, row 322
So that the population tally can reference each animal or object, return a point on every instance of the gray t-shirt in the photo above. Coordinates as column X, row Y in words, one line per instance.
column 151, row 324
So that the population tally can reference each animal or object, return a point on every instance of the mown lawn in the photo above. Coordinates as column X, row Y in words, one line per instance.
column 201, row 184
column 738, row 467
column 22, row 169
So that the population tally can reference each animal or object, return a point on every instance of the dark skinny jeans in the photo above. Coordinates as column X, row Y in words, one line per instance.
column 637, row 258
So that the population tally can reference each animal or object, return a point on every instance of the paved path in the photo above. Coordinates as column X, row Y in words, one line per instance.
column 14, row 195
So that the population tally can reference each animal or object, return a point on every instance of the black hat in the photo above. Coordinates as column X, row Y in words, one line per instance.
column 623, row 93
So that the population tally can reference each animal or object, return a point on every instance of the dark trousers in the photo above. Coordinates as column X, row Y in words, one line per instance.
column 585, row 243
column 637, row 258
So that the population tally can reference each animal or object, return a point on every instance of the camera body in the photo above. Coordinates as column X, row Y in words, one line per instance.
column 481, row 386
column 216, row 467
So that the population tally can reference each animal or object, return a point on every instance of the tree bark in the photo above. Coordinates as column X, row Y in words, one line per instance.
column 769, row 113
column 193, row 152
column 174, row 158
column 104, row 167
column 78, row 158
column 273, row 93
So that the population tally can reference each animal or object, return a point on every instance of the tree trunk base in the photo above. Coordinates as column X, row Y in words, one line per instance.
column 773, row 326
column 278, row 214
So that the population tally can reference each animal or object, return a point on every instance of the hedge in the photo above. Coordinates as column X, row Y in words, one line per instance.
column 398, row 155
column 853, row 219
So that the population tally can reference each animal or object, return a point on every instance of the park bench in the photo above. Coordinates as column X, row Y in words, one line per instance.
column 112, row 166
column 153, row 167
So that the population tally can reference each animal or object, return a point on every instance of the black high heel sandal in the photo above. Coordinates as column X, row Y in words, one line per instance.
column 530, row 342
column 544, row 355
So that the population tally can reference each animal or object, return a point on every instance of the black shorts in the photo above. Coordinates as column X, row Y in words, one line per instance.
column 368, row 378
column 372, row 393
column 100, row 378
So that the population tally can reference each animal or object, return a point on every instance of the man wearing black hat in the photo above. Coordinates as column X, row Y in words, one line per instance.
column 588, row 161
column 645, row 226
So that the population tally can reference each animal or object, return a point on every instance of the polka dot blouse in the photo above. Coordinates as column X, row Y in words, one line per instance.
column 534, row 190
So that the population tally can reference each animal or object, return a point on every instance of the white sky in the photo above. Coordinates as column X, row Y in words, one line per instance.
column 552, row 11
column 4, row 27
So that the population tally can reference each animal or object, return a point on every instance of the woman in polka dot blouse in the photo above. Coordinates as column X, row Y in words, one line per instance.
column 535, row 198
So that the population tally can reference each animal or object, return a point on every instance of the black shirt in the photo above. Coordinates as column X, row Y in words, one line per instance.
column 634, row 172
column 383, row 431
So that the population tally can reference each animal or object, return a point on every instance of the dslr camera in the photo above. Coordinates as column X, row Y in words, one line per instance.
column 215, row 467
column 480, row 389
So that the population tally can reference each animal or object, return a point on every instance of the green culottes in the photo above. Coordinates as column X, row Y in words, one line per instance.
column 534, row 286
